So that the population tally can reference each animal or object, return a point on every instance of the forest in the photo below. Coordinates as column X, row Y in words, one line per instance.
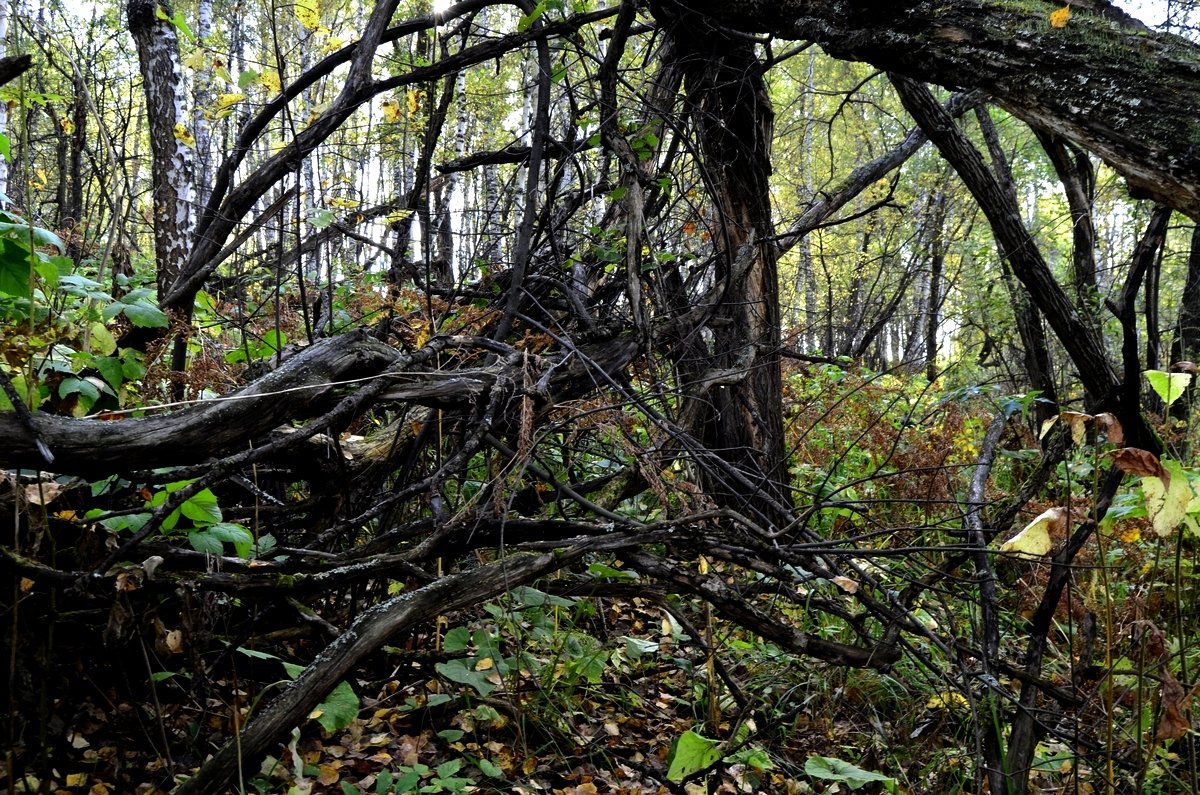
column 585, row 396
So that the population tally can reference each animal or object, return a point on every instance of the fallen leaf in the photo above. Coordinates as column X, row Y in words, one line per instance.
column 846, row 584
column 43, row 493
column 1059, row 18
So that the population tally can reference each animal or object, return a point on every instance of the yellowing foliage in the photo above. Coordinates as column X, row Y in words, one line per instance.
column 309, row 13
column 1059, row 18
column 184, row 135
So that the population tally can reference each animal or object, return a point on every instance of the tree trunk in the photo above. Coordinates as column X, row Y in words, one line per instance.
column 170, row 139
column 740, row 417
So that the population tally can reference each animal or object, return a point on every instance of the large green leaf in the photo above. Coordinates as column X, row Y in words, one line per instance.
column 39, row 236
column 241, row 538
column 338, row 710
column 1168, row 386
column 14, row 269
column 832, row 769
column 460, row 671
column 692, row 753
column 202, row 508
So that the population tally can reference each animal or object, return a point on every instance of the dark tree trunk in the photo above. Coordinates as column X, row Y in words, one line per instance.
column 1078, row 177
column 737, row 406
column 1186, row 344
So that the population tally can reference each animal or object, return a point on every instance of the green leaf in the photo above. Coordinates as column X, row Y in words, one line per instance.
column 293, row 670
column 832, row 769
column 525, row 22
column 25, row 234
column 206, row 542
column 338, row 710
column 202, row 508
column 532, row 597
column 247, row 78
column 5, row 147
column 459, row 671
column 690, row 754
column 14, row 269
column 456, row 640
column 82, row 386
column 132, row 521
column 447, row 769
column 319, row 218
column 1168, row 386
column 241, row 538
column 131, row 364
column 489, row 769
column 603, row 572
column 103, row 341
column 111, row 370
column 48, row 269
column 143, row 315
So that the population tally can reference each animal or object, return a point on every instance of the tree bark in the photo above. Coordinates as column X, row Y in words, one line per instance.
column 172, row 163
column 739, row 413
column 1104, row 80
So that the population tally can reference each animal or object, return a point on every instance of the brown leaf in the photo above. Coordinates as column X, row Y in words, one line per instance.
column 1111, row 426
column 1185, row 367
column 43, row 493
column 1141, row 463
column 846, row 584
column 328, row 774
column 1173, row 724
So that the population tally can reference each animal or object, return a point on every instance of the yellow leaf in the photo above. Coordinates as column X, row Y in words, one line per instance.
column 228, row 100
column 270, row 80
column 1167, row 497
column 1078, row 423
column 947, row 699
column 1059, row 18
column 197, row 60
column 184, row 136
column 415, row 97
column 485, row 664
column 68, row 126
column 1034, row 541
column 309, row 13
column 391, row 111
